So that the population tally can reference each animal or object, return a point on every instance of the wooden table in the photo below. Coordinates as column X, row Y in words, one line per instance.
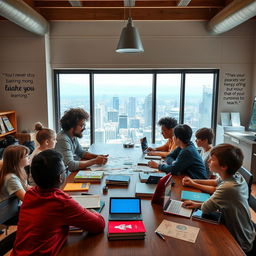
column 212, row 239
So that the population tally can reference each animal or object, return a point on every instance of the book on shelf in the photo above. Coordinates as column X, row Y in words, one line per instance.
column 7, row 123
column 118, row 180
column 123, row 230
column 3, row 130
column 89, row 176
column 76, row 187
column 144, row 189
column 145, row 176
column 213, row 217
column 194, row 196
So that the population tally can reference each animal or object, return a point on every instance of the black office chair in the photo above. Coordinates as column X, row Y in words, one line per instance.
column 252, row 202
column 9, row 210
column 248, row 178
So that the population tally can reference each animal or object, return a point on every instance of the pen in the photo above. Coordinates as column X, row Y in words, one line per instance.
column 160, row 235
column 84, row 194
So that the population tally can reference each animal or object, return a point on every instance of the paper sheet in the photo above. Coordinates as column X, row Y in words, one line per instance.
column 178, row 230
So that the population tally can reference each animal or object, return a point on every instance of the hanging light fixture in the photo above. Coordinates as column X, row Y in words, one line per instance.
column 129, row 41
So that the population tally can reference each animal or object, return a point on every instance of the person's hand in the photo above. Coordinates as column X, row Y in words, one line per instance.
column 101, row 159
column 190, row 204
column 153, row 164
column 151, row 153
column 186, row 181
column 150, row 149
column 105, row 155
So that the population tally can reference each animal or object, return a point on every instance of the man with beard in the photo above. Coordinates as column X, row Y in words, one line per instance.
column 75, row 157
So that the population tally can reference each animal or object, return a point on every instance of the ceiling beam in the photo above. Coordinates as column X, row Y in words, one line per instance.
column 138, row 13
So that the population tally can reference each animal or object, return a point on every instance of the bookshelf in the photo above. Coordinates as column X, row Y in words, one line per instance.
column 11, row 115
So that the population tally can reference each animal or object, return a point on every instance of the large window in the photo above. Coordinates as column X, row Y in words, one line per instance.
column 73, row 91
column 126, row 105
column 122, row 107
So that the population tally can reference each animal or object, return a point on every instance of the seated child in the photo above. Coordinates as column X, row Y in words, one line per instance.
column 231, row 196
column 167, row 125
column 185, row 159
column 13, row 177
column 204, row 137
column 46, row 139
column 47, row 212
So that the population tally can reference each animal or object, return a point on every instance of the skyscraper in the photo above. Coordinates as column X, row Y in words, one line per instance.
column 132, row 107
column 123, row 121
column 98, row 117
column 148, row 110
column 116, row 103
column 113, row 116
column 205, row 108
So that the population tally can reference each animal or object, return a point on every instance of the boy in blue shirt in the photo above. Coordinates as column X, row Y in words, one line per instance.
column 185, row 159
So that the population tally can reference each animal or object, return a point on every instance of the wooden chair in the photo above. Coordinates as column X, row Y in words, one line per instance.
column 9, row 210
column 248, row 178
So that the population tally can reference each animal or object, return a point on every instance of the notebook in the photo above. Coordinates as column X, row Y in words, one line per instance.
column 123, row 230
column 77, row 187
column 144, row 189
column 153, row 157
column 89, row 176
column 88, row 201
column 124, row 208
column 118, row 180
column 172, row 206
column 144, row 176
column 194, row 196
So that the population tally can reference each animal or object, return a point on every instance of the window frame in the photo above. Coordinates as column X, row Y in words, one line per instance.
column 154, row 72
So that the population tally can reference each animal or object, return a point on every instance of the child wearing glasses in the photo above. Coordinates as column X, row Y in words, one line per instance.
column 13, row 177
column 47, row 212
column 231, row 196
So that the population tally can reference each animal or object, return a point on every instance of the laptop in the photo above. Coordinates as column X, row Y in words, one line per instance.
column 144, row 145
column 171, row 206
column 125, row 208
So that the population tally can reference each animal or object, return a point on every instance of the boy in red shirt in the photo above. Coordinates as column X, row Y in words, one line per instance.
column 47, row 212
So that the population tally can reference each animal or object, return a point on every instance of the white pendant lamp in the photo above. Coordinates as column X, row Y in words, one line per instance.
column 129, row 41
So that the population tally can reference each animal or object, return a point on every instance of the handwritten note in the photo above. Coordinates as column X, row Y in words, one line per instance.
column 178, row 230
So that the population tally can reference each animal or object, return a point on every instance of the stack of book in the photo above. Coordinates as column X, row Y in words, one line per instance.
column 5, row 125
column 123, row 230
column 122, row 180
column 144, row 189
column 89, row 176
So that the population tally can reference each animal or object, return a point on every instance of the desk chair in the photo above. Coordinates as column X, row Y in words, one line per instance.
column 248, row 178
column 252, row 202
column 9, row 209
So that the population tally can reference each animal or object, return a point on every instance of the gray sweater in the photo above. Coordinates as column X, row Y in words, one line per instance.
column 71, row 150
column 231, row 197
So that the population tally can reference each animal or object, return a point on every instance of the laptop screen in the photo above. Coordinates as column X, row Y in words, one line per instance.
column 144, row 144
column 125, row 205
column 167, row 191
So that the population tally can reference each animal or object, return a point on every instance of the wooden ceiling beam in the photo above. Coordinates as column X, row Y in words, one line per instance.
column 137, row 13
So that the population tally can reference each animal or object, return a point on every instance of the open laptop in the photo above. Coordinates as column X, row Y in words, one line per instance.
column 171, row 206
column 125, row 208
column 144, row 145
